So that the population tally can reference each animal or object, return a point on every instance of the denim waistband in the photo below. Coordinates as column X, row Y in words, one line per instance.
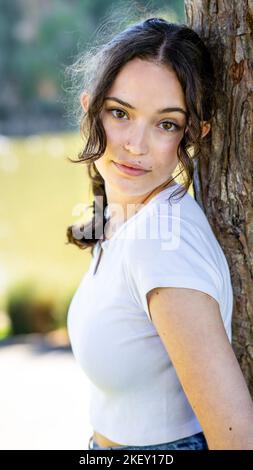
column 194, row 442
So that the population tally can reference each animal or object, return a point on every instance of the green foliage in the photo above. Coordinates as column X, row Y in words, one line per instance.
column 36, row 308
column 38, row 43
column 5, row 332
column 29, row 311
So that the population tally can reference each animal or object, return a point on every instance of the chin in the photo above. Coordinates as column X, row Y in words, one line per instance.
column 125, row 185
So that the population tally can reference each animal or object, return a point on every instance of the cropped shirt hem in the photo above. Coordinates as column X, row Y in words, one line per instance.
column 157, row 436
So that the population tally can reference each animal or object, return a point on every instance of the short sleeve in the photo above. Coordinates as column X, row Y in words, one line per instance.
column 186, row 260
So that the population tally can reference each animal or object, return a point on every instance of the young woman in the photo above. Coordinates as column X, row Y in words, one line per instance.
column 150, row 322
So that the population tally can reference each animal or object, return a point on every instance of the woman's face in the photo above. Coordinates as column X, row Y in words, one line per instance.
column 138, row 132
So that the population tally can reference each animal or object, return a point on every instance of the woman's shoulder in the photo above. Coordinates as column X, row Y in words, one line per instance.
column 169, row 214
column 173, row 232
column 184, row 203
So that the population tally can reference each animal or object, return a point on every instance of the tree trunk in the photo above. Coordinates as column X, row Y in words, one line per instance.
column 223, row 182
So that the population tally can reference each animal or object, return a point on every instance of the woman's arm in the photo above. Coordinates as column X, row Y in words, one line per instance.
column 190, row 326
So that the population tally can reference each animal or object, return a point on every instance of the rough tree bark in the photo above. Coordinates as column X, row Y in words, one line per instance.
column 223, row 182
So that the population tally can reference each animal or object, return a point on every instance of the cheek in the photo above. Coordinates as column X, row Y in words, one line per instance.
column 114, row 134
column 100, row 164
column 166, row 151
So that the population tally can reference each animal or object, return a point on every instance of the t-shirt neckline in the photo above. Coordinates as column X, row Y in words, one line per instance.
column 105, row 243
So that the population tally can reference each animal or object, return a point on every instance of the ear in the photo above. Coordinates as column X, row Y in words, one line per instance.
column 84, row 100
column 206, row 126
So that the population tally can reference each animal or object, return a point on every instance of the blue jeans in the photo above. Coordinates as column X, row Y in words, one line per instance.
column 194, row 442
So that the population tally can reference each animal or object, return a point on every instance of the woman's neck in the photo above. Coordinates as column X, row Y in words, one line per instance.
column 124, row 207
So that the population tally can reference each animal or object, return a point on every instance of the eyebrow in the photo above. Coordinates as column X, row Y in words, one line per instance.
column 165, row 110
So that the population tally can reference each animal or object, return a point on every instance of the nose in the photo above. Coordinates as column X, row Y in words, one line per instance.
column 136, row 140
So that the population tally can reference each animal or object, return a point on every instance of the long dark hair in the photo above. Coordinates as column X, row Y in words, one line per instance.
column 153, row 39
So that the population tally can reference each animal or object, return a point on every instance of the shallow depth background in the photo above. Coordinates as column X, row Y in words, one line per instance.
column 44, row 393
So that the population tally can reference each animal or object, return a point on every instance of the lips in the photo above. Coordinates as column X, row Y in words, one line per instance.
column 131, row 165
column 128, row 170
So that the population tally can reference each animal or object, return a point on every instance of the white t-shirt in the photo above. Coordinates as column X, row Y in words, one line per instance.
column 136, row 397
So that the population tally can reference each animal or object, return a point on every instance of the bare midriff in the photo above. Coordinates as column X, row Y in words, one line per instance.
column 102, row 441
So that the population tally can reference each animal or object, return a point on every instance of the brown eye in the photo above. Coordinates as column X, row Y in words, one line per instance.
column 174, row 126
column 117, row 113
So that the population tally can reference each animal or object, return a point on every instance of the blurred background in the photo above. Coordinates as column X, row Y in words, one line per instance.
column 44, row 393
